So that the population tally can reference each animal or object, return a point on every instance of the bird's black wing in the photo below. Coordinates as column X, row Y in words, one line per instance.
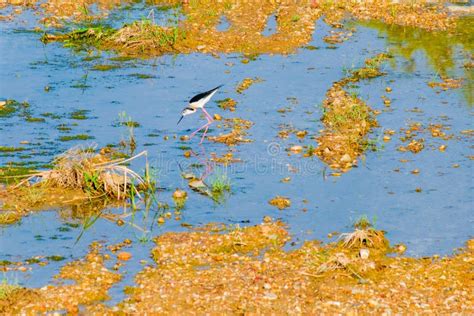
column 200, row 96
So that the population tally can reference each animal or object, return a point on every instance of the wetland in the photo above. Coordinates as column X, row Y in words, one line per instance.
column 336, row 176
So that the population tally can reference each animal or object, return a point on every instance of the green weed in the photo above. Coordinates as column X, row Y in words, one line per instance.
column 79, row 115
column 7, row 289
column 363, row 222
column 11, row 149
column 75, row 137
column 129, row 139
column 219, row 185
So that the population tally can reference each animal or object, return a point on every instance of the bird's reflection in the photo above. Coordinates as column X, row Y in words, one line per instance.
column 203, row 176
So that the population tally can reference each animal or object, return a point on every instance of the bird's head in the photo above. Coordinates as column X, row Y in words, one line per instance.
column 186, row 111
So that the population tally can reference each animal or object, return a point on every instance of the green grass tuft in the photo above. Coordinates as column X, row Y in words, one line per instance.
column 75, row 137
column 220, row 184
column 7, row 289
column 79, row 115
column 11, row 149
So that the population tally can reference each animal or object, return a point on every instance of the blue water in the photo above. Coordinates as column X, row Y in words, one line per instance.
column 434, row 221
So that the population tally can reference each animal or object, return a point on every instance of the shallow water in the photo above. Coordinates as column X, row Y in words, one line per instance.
column 436, row 220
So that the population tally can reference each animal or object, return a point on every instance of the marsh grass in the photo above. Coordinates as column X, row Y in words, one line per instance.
column 9, row 217
column 363, row 222
column 79, row 115
column 310, row 151
column 134, row 38
column 364, row 235
column 11, row 149
column 88, row 222
column 128, row 140
column 219, row 185
column 179, row 204
column 373, row 144
column 94, row 174
column 371, row 68
column 370, row 238
column 75, row 137
column 105, row 67
column 9, row 107
column 349, row 111
column 81, row 38
column 145, row 35
column 142, row 76
column 11, row 172
column 348, row 119
column 33, row 195
column 35, row 119
column 7, row 289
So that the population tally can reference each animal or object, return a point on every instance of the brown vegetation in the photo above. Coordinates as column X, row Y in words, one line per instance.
column 217, row 269
column 79, row 176
column 92, row 280
column 198, row 31
column 238, row 130
column 347, row 119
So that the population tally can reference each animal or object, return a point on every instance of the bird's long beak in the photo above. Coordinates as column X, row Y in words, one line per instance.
column 180, row 119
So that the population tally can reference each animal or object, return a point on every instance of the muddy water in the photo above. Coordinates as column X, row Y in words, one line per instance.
column 435, row 220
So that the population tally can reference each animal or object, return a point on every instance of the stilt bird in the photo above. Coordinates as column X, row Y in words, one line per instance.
column 198, row 102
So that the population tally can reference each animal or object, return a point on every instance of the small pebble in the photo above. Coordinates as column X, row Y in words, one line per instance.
column 364, row 253
column 124, row 256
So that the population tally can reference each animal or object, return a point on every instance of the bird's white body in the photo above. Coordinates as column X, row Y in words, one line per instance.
column 202, row 102
column 198, row 102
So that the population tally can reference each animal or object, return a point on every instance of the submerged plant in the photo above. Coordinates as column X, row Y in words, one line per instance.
column 75, row 137
column 9, row 107
column 219, row 184
column 310, row 151
column 11, row 149
column 372, row 144
column 363, row 222
column 179, row 198
column 128, row 140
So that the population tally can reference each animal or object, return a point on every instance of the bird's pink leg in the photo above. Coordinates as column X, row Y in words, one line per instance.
column 208, row 115
column 207, row 172
column 206, row 126
column 209, row 120
column 204, row 134
column 200, row 128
